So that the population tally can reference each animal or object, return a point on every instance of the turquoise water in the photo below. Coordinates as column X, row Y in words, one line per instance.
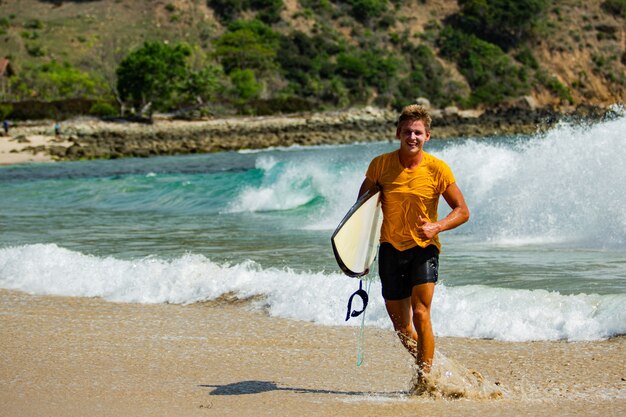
column 548, row 231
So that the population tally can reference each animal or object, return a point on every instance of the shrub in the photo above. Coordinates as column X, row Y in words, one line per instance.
column 53, row 80
column 60, row 109
column 103, row 109
column 361, row 69
column 503, row 22
column 526, row 57
column 488, row 70
column 307, row 62
column 245, row 84
column 555, row 86
column 268, row 10
column 322, row 7
column 33, row 24
column 228, row 10
column 366, row 10
column 289, row 104
column 35, row 50
column 5, row 110
column 426, row 78
column 615, row 7
column 247, row 44
column 200, row 86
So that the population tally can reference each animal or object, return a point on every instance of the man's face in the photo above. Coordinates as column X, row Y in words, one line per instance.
column 412, row 135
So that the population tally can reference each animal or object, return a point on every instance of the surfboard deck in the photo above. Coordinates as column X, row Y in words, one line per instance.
column 355, row 240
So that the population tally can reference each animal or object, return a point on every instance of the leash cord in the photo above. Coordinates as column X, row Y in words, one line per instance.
column 361, row 339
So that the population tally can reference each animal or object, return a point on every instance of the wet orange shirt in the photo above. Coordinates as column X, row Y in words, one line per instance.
column 408, row 194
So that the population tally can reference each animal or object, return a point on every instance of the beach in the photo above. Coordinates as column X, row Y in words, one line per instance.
column 74, row 356
column 16, row 151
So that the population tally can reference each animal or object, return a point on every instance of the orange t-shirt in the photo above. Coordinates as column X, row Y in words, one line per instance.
column 408, row 194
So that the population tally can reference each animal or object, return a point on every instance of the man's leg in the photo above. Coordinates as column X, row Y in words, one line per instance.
column 421, row 298
column 401, row 316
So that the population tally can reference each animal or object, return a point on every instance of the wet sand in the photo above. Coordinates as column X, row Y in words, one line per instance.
column 77, row 356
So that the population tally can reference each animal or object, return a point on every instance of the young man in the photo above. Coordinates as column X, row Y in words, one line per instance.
column 412, row 181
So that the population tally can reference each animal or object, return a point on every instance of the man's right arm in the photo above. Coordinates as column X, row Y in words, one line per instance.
column 366, row 185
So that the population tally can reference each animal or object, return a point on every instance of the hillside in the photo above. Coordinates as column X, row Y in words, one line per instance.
column 320, row 54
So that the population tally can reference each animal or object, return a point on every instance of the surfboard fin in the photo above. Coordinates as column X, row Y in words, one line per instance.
column 364, row 297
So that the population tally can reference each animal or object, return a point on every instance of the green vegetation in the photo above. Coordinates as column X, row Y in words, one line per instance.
column 260, row 56
column 246, row 87
column 366, row 10
column 5, row 110
column 52, row 80
column 556, row 87
column 228, row 10
column 503, row 22
column 427, row 78
column 149, row 76
column 103, row 109
column 490, row 72
column 247, row 44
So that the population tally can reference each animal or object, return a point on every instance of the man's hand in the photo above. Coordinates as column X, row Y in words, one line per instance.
column 426, row 230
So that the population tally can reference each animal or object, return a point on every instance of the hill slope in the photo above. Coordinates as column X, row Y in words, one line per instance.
column 576, row 54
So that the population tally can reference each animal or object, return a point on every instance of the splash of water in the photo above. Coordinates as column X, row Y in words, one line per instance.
column 449, row 379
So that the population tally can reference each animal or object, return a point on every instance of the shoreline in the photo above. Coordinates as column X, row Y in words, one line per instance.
column 90, row 138
column 76, row 356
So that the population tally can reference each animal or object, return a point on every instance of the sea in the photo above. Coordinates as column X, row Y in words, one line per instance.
column 543, row 256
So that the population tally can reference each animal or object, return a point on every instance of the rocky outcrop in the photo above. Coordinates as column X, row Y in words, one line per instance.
column 92, row 139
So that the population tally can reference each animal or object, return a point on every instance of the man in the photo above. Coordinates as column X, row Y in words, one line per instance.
column 412, row 181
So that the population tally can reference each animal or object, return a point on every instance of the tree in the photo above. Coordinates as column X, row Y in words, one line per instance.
column 369, row 68
column 149, row 75
column 245, row 85
column 503, row 22
column 247, row 44
column 201, row 86
column 365, row 10
column 491, row 73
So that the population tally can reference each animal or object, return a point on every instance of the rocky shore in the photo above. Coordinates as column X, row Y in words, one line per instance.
column 86, row 138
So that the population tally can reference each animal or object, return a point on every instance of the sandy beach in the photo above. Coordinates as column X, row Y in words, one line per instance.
column 79, row 356
column 14, row 150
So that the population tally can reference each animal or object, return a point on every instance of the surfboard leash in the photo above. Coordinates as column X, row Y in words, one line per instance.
column 355, row 313
column 361, row 344
column 364, row 297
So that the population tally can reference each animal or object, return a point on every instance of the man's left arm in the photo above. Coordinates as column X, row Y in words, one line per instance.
column 459, row 214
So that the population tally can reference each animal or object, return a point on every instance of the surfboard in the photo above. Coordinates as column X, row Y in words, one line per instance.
column 355, row 240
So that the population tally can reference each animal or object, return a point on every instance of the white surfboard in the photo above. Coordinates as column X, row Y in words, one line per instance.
column 355, row 241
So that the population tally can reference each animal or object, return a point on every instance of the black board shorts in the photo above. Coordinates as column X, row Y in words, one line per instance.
column 400, row 271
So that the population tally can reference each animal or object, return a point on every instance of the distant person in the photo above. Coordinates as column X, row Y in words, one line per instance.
column 57, row 129
column 5, row 125
column 411, row 181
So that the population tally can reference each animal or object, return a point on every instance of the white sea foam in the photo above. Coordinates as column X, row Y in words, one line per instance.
column 285, row 186
column 469, row 311
column 566, row 185
column 561, row 187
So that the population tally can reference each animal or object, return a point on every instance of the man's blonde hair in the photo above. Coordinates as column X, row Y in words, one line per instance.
column 415, row 112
